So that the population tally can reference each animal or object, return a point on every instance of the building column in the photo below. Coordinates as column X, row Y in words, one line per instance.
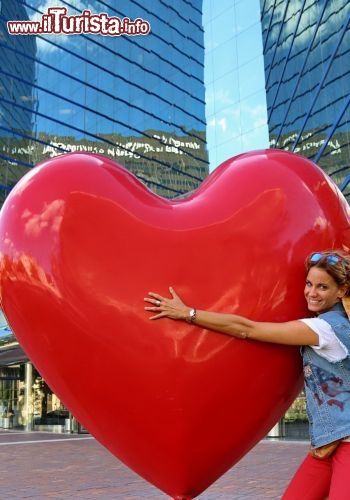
column 28, row 392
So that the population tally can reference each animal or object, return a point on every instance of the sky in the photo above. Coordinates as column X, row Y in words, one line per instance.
column 234, row 79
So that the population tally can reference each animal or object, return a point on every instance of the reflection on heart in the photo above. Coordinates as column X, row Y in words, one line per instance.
column 83, row 241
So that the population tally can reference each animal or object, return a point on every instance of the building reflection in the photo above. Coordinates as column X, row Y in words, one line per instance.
column 306, row 49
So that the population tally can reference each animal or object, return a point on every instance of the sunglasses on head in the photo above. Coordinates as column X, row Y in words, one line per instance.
column 330, row 259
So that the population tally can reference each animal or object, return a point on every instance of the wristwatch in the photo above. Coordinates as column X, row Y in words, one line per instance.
column 192, row 317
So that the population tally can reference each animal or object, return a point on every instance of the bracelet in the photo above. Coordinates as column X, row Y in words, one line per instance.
column 193, row 314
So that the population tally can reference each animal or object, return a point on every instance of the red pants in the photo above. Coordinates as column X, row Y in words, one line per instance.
column 320, row 479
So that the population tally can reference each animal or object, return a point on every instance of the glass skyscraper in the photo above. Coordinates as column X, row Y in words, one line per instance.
column 307, row 71
column 138, row 97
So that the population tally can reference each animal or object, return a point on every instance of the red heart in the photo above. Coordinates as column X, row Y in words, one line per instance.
column 82, row 242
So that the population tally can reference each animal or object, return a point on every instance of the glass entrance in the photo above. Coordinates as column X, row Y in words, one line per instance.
column 49, row 414
column 11, row 396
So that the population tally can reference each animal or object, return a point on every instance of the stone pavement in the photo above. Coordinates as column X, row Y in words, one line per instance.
column 41, row 466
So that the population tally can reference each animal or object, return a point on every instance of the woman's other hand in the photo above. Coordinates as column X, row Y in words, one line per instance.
column 164, row 307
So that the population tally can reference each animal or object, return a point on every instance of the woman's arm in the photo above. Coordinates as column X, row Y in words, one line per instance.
column 289, row 333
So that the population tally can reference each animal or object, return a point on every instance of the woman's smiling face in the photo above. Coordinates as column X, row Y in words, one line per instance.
column 321, row 291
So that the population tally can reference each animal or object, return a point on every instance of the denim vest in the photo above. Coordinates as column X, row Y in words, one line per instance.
column 327, row 385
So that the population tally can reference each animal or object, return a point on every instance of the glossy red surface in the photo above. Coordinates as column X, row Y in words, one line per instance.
column 82, row 241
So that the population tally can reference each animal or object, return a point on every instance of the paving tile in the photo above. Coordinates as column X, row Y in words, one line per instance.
column 40, row 466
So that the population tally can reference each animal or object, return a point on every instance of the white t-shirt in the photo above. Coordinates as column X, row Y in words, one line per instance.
column 330, row 347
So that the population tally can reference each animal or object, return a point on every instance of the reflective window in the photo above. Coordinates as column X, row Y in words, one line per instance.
column 117, row 95
column 228, row 76
column 307, row 74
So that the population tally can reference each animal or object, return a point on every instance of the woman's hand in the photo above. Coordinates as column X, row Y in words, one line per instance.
column 172, row 308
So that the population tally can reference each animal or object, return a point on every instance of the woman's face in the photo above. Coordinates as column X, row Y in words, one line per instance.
column 321, row 291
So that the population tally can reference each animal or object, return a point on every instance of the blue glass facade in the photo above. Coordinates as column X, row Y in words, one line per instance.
column 137, row 99
column 17, row 102
column 307, row 70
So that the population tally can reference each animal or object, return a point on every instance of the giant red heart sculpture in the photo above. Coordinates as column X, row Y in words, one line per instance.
column 83, row 241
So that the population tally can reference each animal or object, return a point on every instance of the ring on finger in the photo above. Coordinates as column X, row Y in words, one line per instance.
column 158, row 303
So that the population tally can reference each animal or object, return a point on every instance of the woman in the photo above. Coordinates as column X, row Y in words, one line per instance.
column 326, row 345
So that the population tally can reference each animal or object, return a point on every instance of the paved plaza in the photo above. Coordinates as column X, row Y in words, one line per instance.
column 66, row 466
